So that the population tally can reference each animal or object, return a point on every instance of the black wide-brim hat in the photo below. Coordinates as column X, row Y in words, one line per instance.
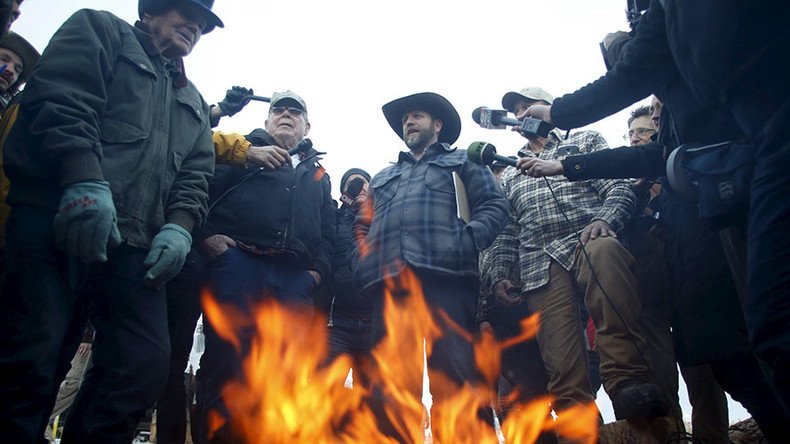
column 439, row 107
column 206, row 5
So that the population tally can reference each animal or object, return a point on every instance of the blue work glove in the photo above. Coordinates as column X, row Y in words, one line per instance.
column 167, row 255
column 86, row 222
column 235, row 100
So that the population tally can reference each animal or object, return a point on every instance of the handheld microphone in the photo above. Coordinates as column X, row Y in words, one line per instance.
column 352, row 191
column 302, row 147
column 497, row 119
column 261, row 99
column 483, row 153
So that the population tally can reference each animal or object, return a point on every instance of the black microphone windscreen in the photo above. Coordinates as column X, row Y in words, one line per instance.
column 355, row 187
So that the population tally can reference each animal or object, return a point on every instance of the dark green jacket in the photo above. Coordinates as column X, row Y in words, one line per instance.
column 103, row 104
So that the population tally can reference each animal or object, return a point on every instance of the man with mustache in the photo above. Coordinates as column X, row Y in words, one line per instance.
column 410, row 220
column 109, row 161
column 269, row 236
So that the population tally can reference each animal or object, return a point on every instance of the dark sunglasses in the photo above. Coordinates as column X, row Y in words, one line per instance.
column 278, row 110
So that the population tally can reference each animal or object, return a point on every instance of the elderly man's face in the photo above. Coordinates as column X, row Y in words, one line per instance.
column 288, row 124
column 420, row 129
column 13, row 69
column 176, row 32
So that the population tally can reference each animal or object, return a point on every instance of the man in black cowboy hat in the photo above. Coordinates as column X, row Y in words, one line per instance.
column 109, row 161
column 414, row 223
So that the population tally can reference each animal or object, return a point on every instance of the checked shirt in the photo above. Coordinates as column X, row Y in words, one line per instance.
column 411, row 217
column 537, row 231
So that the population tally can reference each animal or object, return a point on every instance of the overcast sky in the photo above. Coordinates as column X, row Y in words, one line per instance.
column 347, row 58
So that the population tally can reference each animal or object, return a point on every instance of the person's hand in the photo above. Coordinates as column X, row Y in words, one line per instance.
column 534, row 167
column 215, row 245
column 270, row 157
column 168, row 253
column 235, row 100
column 83, row 349
column 316, row 277
column 506, row 292
column 596, row 229
column 86, row 222
column 541, row 112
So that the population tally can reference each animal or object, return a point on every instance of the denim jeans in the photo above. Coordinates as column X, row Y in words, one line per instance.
column 243, row 280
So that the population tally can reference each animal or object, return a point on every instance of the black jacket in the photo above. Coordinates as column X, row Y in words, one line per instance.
column 672, row 55
column 286, row 209
column 346, row 297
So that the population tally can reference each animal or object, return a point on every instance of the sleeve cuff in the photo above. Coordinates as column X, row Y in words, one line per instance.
column 80, row 166
column 182, row 218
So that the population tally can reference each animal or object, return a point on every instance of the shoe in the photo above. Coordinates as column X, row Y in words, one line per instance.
column 639, row 400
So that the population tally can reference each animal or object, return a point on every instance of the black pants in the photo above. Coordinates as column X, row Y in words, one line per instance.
column 40, row 302
column 183, row 311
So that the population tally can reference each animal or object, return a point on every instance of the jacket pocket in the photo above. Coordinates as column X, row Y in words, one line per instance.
column 384, row 186
column 439, row 176
column 129, row 97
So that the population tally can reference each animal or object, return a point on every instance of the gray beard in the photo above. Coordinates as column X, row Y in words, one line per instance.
column 418, row 144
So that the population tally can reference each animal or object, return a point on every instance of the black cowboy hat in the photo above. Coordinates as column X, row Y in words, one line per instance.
column 439, row 107
column 152, row 6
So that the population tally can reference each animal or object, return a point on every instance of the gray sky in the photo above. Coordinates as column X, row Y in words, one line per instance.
column 347, row 58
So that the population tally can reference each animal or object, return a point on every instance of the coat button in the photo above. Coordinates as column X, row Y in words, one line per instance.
column 144, row 66
column 577, row 167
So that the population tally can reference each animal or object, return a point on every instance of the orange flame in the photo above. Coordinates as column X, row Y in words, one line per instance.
column 289, row 394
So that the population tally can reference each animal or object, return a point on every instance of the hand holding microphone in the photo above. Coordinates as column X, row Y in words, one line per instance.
column 497, row 119
column 534, row 167
column 539, row 112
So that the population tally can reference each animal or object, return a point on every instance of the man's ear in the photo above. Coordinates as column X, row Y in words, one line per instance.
column 306, row 127
column 437, row 125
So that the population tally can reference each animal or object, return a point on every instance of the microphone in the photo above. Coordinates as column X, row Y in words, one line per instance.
column 352, row 191
column 483, row 153
column 497, row 119
column 302, row 147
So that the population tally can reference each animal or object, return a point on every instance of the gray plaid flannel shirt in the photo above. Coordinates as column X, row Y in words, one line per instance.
column 537, row 231
column 411, row 217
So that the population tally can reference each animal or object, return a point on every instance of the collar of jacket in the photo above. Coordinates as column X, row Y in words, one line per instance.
column 433, row 150
column 177, row 66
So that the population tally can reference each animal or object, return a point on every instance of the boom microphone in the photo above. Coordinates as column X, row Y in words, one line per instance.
column 497, row 119
column 483, row 153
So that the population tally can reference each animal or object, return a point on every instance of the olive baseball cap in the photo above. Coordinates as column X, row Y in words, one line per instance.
column 290, row 96
column 530, row 93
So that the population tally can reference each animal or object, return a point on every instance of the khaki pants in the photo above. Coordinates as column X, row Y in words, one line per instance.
column 616, row 321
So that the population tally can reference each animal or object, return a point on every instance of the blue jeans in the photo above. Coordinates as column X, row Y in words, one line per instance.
column 243, row 280
column 351, row 336
column 40, row 308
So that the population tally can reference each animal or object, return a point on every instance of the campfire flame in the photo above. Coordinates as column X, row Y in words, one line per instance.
column 290, row 394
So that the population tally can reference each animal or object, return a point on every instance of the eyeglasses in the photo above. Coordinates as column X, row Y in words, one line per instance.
column 641, row 132
column 278, row 110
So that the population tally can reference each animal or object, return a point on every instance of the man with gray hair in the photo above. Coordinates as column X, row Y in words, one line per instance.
column 269, row 235
column 109, row 161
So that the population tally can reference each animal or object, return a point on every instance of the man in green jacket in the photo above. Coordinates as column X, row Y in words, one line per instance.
column 109, row 163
